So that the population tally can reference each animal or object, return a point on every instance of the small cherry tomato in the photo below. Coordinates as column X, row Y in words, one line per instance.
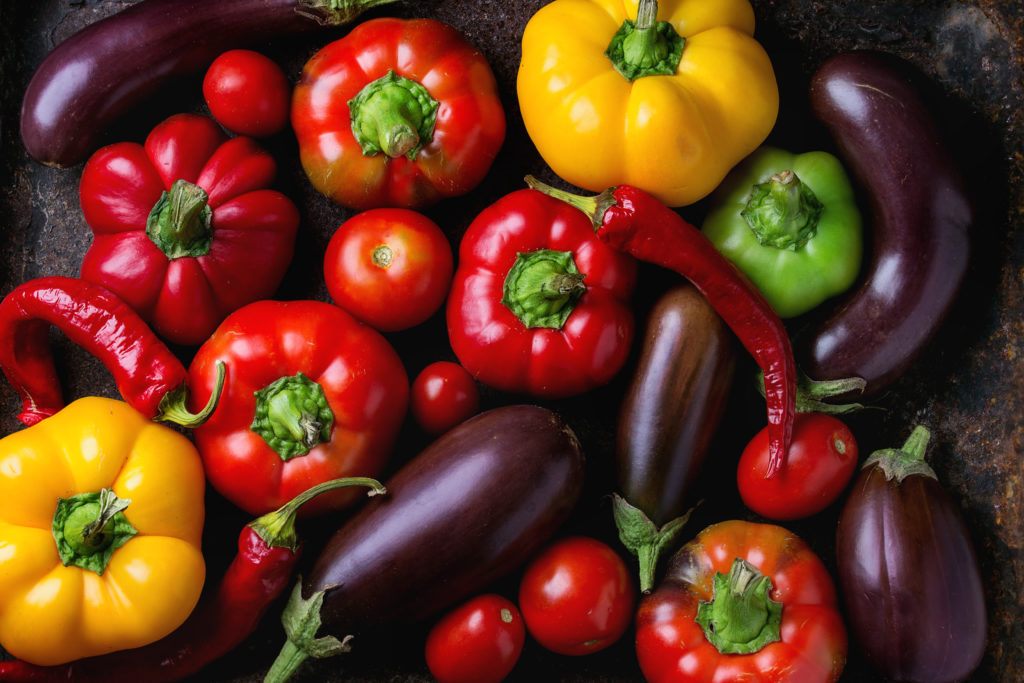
column 390, row 268
column 477, row 642
column 443, row 395
column 247, row 93
column 820, row 462
column 577, row 596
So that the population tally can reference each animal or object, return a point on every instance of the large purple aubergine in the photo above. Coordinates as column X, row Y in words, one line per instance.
column 908, row 572
column 921, row 217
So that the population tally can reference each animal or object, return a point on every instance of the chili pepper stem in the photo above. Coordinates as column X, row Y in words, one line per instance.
column 277, row 528
column 173, row 405
column 594, row 207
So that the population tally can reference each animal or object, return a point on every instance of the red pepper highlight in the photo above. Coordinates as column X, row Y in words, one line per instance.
column 268, row 550
column 148, row 375
column 633, row 221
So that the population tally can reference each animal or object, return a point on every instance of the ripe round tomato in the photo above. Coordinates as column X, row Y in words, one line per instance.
column 477, row 642
column 390, row 268
column 443, row 395
column 247, row 93
column 577, row 596
column 820, row 462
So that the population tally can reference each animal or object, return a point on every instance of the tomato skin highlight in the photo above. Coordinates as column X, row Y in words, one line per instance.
column 821, row 461
column 478, row 642
column 577, row 596
column 390, row 268
column 247, row 93
column 443, row 395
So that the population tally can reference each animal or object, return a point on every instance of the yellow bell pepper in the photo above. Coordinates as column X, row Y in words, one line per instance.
column 610, row 96
column 100, row 530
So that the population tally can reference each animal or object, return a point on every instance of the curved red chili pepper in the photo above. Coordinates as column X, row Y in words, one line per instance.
column 268, row 550
column 148, row 376
column 633, row 221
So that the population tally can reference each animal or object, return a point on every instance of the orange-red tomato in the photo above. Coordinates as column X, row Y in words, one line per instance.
column 443, row 395
column 577, row 596
column 478, row 642
column 247, row 93
column 390, row 268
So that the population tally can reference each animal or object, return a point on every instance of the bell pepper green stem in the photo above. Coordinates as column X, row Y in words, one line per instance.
column 180, row 223
column 543, row 287
column 293, row 416
column 741, row 618
column 646, row 47
column 173, row 408
column 783, row 212
column 899, row 463
column 89, row 527
column 335, row 12
column 301, row 621
column 393, row 115
column 277, row 528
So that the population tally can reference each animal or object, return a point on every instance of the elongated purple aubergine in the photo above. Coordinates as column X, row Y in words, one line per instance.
column 921, row 215
column 112, row 65
column 667, row 419
column 908, row 571
column 471, row 507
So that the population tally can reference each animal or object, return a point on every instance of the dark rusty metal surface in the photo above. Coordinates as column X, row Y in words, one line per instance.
column 967, row 387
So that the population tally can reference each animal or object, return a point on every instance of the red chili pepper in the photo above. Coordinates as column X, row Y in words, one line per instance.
column 633, row 221
column 150, row 378
column 268, row 550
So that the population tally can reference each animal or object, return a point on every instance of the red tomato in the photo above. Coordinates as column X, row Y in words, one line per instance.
column 443, row 395
column 390, row 268
column 577, row 596
column 477, row 642
column 820, row 462
column 247, row 93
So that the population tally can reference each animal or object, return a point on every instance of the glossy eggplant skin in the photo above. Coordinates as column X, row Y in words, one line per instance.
column 471, row 507
column 101, row 72
column 674, row 403
column 921, row 213
column 910, row 579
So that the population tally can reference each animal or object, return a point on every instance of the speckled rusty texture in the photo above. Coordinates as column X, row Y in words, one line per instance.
column 968, row 387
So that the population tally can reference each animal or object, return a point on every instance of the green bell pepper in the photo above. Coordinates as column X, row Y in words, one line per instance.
column 790, row 222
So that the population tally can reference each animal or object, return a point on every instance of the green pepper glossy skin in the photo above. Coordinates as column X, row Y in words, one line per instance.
column 795, row 278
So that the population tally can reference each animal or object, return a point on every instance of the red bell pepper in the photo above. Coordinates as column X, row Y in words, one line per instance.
column 398, row 113
column 311, row 395
column 539, row 304
column 742, row 601
column 184, row 229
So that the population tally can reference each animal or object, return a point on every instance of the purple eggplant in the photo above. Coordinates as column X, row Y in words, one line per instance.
column 112, row 65
column 471, row 507
column 908, row 571
column 667, row 419
column 921, row 215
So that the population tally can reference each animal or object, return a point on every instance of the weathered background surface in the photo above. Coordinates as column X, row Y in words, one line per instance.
column 967, row 387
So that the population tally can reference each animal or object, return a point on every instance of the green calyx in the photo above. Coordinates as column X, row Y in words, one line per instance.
column 301, row 621
column 741, row 618
column 646, row 47
column 277, row 528
column 180, row 221
column 899, row 463
column 643, row 538
column 292, row 416
column 335, row 12
column 393, row 115
column 542, row 288
column 89, row 527
column 783, row 212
